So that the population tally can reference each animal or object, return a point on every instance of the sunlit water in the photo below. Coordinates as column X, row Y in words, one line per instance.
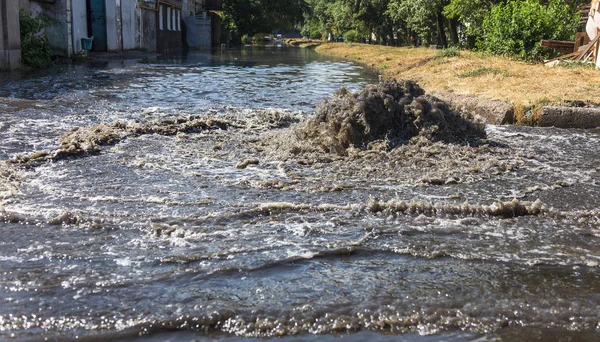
column 176, row 243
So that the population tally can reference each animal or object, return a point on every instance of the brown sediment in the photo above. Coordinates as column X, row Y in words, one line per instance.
column 69, row 218
column 244, row 164
column 81, row 141
column 379, row 118
column 10, row 179
column 397, row 207
column 390, row 133
column 89, row 140
column 514, row 208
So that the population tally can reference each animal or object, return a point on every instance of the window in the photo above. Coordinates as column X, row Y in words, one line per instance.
column 178, row 20
column 169, row 18
column 160, row 18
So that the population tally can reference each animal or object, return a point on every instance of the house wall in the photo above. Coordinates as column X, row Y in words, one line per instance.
column 170, row 37
column 128, row 22
column 80, row 29
column 59, row 33
column 148, row 30
column 203, row 31
column 10, row 40
column 126, row 26
column 112, row 42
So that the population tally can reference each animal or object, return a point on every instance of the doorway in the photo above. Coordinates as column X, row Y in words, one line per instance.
column 96, row 12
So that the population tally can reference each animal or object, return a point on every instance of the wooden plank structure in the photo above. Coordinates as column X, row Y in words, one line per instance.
column 586, row 44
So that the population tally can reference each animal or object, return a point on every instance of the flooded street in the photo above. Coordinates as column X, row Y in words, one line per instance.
column 191, row 214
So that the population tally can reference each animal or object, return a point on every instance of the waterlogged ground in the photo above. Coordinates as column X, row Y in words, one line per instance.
column 192, row 210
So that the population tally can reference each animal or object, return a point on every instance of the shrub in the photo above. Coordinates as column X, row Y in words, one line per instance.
column 245, row 39
column 449, row 52
column 35, row 47
column 352, row 36
column 316, row 34
column 515, row 28
column 259, row 38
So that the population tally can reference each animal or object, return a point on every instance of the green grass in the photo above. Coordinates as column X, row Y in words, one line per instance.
column 449, row 52
column 576, row 65
column 482, row 71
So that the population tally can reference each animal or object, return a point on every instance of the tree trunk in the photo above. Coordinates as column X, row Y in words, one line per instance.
column 454, row 31
column 391, row 33
column 442, row 41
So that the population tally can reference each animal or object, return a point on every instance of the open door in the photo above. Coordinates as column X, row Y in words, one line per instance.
column 97, row 24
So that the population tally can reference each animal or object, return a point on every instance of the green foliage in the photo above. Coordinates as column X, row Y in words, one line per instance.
column 353, row 36
column 316, row 35
column 259, row 38
column 417, row 16
column 246, row 39
column 255, row 16
column 35, row 47
column 516, row 28
column 449, row 52
column 471, row 13
column 482, row 71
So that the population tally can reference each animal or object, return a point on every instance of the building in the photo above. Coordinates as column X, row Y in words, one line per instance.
column 10, row 39
column 113, row 25
column 203, row 25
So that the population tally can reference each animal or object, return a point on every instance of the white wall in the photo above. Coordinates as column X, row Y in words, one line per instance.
column 128, row 21
column 112, row 41
column 80, row 29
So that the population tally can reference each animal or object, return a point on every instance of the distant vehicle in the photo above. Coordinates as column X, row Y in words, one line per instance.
column 267, row 39
column 279, row 36
column 340, row 39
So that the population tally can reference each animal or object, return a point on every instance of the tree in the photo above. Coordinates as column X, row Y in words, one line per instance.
column 470, row 13
column 516, row 28
column 256, row 16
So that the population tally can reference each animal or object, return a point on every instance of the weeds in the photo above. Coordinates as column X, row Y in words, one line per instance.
column 35, row 46
column 449, row 52
column 482, row 71
column 576, row 65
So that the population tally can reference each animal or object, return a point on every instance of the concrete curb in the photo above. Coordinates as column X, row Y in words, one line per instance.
column 495, row 112
column 569, row 117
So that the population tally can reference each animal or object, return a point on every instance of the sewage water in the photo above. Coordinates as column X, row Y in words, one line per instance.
column 158, row 237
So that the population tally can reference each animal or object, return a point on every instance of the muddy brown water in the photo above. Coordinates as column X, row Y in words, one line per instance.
column 236, row 233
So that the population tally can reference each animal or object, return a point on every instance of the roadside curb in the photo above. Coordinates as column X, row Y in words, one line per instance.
column 569, row 117
column 495, row 112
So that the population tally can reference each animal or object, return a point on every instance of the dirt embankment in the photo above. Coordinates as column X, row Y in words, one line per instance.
column 498, row 89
